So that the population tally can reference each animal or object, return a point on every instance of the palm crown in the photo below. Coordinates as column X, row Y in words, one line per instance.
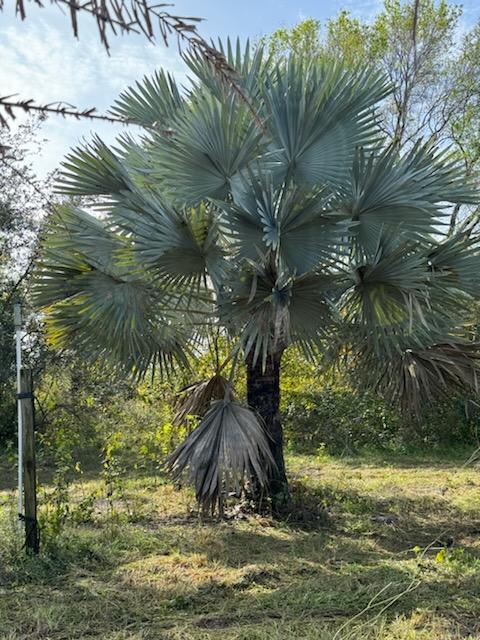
column 275, row 212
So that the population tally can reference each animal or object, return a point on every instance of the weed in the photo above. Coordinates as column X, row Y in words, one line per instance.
column 164, row 574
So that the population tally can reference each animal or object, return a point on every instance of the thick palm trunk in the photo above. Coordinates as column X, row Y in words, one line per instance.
column 263, row 394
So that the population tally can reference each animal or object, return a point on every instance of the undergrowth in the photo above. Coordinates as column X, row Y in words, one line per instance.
column 374, row 547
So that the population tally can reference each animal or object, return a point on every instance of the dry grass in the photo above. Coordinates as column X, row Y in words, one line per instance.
column 160, row 573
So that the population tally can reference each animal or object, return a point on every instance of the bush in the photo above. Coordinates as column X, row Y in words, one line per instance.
column 340, row 420
column 91, row 410
column 452, row 424
column 322, row 411
column 84, row 411
column 343, row 422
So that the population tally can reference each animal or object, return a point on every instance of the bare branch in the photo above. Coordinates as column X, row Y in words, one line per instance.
column 414, row 32
column 115, row 17
column 10, row 105
column 129, row 16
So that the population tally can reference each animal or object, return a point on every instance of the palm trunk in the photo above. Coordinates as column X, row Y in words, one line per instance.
column 263, row 394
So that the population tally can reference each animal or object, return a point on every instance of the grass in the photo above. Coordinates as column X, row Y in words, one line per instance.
column 146, row 567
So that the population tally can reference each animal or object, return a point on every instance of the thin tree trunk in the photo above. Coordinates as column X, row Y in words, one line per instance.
column 263, row 394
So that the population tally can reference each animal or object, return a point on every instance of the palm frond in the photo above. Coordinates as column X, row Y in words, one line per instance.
column 297, row 224
column 153, row 102
column 317, row 114
column 403, row 195
column 93, row 170
column 390, row 288
column 176, row 245
column 248, row 63
column 410, row 377
column 69, row 236
column 195, row 399
column 410, row 295
column 419, row 377
column 100, row 309
column 271, row 309
column 455, row 263
column 211, row 142
column 226, row 450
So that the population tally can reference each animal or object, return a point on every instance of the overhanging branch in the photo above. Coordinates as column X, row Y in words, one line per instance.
column 115, row 17
column 10, row 104
column 126, row 16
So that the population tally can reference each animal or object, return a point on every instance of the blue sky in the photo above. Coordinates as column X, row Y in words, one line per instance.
column 40, row 58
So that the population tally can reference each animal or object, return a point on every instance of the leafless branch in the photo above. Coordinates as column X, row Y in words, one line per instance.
column 115, row 17
column 10, row 104
column 414, row 32
column 128, row 16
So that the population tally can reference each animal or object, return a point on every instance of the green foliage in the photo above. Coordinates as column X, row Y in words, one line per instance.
column 85, row 414
column 89, row 409
column 139, row 432
column 55, row 503
column 302, row 39
column 349, row 39
column 339, row 420
column 453, row 423
column 325, row 414
column 90, row 422
column 254, row 577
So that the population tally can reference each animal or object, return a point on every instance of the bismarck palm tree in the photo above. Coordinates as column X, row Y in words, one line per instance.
column 281, row 221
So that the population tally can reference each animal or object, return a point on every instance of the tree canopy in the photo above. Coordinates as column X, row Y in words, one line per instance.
column 301, row 227
column 430, row 61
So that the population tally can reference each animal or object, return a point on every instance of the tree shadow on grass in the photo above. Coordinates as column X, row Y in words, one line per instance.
column 396, row 522
column 91, row 469
column 157, row 575
column 283, row 581
column 437, row 460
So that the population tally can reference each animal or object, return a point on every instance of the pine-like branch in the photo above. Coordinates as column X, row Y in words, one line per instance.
column 10, row 104
column 115, row 17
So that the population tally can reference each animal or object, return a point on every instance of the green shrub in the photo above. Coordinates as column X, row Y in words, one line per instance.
column 452, row 424
column 342, row 422
column 339, row 420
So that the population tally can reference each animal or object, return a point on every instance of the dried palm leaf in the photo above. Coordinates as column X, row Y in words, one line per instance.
column 425, row 376
column 228, row 448
column 195, row 399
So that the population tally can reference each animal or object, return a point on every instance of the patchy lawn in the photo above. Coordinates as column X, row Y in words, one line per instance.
column 350, row 562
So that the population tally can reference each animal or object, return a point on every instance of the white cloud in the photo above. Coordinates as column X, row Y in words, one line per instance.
column 364, row 9
column 37, row 62
column 43, row 61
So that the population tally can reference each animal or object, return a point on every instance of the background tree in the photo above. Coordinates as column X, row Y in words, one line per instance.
column 298, row 230
column 302, row 39
column 23, row 199
column 432, row 66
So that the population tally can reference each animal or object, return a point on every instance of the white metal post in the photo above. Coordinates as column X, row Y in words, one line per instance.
column 17, row 319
